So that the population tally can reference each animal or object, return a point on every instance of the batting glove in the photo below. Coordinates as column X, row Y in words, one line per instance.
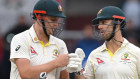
column 75, row 61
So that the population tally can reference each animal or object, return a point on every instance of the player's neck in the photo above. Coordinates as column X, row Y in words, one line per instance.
column 115, row 43
column 40, row 34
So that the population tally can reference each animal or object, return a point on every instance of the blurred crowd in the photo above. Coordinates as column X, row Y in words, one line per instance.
column 15, row 17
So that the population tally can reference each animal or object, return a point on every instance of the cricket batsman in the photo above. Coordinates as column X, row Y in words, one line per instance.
column 117, row 58
column 36, row 53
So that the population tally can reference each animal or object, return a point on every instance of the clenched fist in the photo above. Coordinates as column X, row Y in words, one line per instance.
column 62, row 60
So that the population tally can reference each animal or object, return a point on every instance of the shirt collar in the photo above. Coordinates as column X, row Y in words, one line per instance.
column 103, row 47
column 33, row 34
column 35, row 38
column 125, row 42
column 52, row 40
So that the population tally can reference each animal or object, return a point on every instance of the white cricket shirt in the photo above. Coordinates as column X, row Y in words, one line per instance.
column 26, row 45
column 123, row 64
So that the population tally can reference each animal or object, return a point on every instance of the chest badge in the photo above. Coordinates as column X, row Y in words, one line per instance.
column 125, row 56
column 55, row 52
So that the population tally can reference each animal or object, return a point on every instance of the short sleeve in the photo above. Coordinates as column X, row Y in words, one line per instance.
column 19, row 48
column 138, row 64
column 89, row 71
column 62, row 49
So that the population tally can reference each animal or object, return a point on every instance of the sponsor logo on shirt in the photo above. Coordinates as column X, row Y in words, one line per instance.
column 32, row 50
column 18, row 47
column 43, row 75
column 62, row 49
column 99, row 60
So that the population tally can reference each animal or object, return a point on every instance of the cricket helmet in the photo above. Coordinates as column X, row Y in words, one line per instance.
column 49, row 8
column 45, row 8
column 109, row 12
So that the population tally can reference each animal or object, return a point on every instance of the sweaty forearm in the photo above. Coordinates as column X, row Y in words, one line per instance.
column 47, row 67
column 33, row 72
